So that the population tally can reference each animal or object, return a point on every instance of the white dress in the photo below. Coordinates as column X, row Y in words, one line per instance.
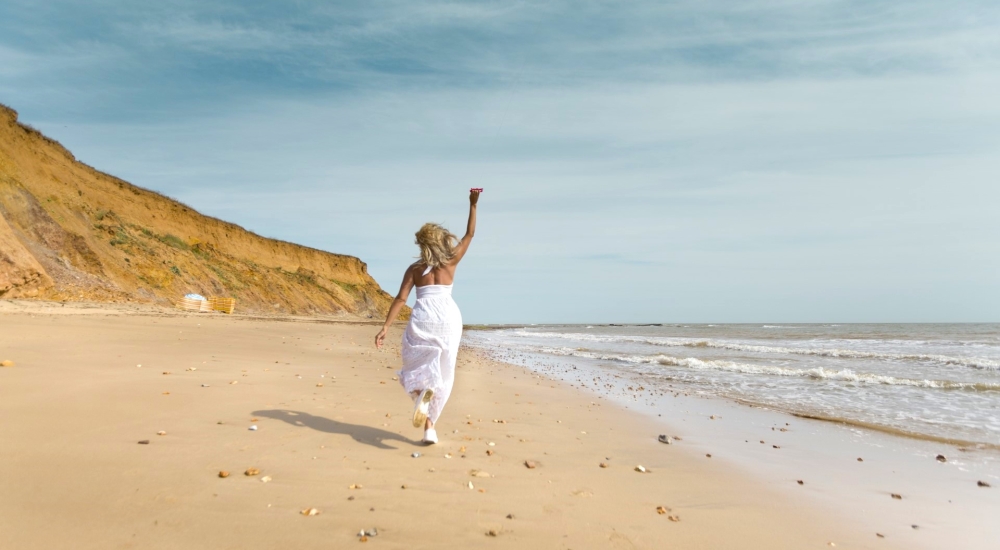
column 430, row 345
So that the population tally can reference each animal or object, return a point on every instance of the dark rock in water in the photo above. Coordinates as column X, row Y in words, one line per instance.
column 983, row 484
column 941, row 458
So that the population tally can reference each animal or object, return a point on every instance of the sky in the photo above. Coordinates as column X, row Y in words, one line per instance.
column 646, row 161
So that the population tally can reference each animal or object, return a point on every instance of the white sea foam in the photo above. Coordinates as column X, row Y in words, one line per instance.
column 974, row 362
column 819, row 373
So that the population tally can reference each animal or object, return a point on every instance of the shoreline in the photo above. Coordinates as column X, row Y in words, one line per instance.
column 779, row 448
column 329, row 417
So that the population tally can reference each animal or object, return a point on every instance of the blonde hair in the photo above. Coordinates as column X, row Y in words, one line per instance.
column 437, row 245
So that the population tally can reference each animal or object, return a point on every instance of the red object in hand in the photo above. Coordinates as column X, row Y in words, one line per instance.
column 480, row 189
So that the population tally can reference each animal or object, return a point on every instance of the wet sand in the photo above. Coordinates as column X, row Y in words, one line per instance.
column 329, row 416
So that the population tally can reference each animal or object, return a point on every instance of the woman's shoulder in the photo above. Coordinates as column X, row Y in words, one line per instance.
column 417, row 269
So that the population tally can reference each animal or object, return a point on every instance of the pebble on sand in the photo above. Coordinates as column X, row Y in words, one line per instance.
column 6, row 363
column 603, row 465
column 489, row 452
column 146, row 442
column 251, row 472
column 661, row 510
column 530, row 464
column 354, row 486
column 161, row 432
column 265, row 479
column 223, row 473
column 896, row 496
column 983, row 484
column 310, row 512
column 641, row 469
column 415, row 455
column 664, row 439
column 252, row 428
column 492, row 533
column 941, row 458
column 800, row 482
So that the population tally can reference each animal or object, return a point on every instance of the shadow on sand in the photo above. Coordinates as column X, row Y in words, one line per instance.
column 362, row 434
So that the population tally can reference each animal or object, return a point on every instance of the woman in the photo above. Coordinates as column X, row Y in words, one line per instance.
column 430, row 343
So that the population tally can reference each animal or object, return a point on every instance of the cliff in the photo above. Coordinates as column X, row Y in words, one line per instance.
column 69, row 232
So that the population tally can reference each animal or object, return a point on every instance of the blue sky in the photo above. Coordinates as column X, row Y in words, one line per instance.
column 744, row 161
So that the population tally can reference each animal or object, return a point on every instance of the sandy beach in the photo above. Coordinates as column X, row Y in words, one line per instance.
column 332, row 434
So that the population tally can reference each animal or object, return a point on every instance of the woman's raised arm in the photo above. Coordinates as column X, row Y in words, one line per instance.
column 470, row 228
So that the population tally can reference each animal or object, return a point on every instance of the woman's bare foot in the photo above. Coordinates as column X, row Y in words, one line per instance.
column 421, row 406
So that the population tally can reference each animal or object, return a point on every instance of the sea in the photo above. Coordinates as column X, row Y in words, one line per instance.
column 939, row 382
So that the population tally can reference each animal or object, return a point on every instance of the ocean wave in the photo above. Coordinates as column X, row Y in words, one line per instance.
column 973, row 362
column 817, row 373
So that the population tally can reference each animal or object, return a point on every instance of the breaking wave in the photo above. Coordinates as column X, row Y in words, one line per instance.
column 973, row 362
column 817, row 373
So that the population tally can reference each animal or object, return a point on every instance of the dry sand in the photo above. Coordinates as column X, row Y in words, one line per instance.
column 76, row 404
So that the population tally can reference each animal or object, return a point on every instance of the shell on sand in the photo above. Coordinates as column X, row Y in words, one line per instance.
column 310, row 512
column 251, row 472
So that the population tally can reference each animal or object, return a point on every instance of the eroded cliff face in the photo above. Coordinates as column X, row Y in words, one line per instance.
column 69, row 232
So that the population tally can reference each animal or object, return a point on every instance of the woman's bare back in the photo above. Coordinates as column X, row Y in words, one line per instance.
column 444, row 275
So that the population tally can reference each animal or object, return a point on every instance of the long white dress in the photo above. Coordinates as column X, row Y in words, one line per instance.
column 430, row 345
